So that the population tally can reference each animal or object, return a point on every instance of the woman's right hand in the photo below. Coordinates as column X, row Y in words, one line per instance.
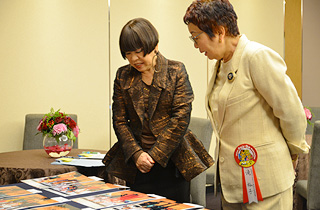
column 144, row 162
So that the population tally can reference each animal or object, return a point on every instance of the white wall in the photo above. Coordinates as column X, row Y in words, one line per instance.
column 262, row 21
column 54, row 54
column 310, row 53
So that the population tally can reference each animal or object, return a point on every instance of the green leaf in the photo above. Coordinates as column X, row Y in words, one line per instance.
column 71, row 136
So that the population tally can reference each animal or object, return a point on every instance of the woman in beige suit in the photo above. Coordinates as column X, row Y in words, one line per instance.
column 258, row 118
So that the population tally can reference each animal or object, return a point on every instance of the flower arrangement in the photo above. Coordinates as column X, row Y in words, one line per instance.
column 57, row 124
column 309, row 115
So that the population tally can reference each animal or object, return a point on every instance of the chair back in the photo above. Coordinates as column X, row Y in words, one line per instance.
column 315, row 117
column 202, row 129
column 313, row 186
column 33, row 141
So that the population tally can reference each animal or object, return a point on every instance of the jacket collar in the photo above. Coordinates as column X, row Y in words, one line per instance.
column 133, row 85
column 134, row 78
column 243, row 41
column 225, row 91
column 160, row 75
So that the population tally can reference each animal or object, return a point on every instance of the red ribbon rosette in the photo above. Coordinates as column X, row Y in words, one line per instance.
column 246, row 156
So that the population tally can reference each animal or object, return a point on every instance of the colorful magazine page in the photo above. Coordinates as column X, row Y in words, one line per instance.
column 91, row 156
column 63, row 206
column 72, row 188
column 11, row 191
column 79, row 162
column 111, row 199
column 25, row 201
column 163, row 203
column 52, row 181
column 190, row 206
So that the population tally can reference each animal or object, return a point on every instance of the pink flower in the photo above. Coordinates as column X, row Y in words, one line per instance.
column 40, row 125
column 59, row 128
column 75, row 131
column 308, row 113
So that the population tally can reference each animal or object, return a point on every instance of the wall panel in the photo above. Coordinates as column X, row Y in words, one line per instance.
column 310, row 53
column 54, row 54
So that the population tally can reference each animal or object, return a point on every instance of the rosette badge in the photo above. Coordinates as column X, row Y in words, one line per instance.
column 59, row 131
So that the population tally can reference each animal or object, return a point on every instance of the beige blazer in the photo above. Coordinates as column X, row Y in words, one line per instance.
column 259, row 107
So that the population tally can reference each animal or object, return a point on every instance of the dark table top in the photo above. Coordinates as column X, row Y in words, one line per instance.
column 27, row 164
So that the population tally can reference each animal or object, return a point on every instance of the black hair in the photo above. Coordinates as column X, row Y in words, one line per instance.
column 138, row 33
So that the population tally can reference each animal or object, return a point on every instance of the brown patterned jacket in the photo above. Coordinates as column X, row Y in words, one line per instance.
column 170, row 101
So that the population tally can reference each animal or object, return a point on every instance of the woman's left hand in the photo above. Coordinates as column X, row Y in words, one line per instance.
column 144, row 162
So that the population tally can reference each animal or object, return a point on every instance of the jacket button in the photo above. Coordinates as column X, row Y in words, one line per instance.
column 221, row 159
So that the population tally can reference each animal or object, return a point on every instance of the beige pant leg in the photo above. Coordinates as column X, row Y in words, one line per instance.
column 281, row 201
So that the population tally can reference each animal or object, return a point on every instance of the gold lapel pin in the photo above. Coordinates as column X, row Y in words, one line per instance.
column 231, row 76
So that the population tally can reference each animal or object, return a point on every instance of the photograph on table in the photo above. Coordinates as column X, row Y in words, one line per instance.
column 52, row 181
column 72, row 183
column 63, row 206
column 13, row 191
column 26, row 201
column 79, row 188
column 162, row 203
column 112, row 199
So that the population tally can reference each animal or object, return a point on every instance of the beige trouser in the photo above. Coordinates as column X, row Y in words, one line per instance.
column 281, row 201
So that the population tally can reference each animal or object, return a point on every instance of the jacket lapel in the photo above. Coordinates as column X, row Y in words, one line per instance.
column 134, row 87
column 159, row 83
column 228, row 85
column 209, row 90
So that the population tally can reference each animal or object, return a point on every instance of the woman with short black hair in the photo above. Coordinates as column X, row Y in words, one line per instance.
column 155, row 152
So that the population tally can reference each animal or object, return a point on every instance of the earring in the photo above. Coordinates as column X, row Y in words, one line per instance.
column 219, row 40
column 154, row 57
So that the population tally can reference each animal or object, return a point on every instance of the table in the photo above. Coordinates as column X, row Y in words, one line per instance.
column 68, row 200
column 27, row 164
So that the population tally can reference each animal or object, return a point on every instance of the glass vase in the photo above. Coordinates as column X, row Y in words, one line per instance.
column 55, row 148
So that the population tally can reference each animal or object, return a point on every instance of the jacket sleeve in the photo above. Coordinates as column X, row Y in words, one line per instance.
column 171, row 136
column 268, row 72
column 121, row 120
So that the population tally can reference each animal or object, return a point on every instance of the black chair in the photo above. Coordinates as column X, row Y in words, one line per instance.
column 310, row 189
column 202, row 128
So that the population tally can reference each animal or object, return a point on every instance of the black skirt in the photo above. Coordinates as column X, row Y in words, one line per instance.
column 167, row 182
